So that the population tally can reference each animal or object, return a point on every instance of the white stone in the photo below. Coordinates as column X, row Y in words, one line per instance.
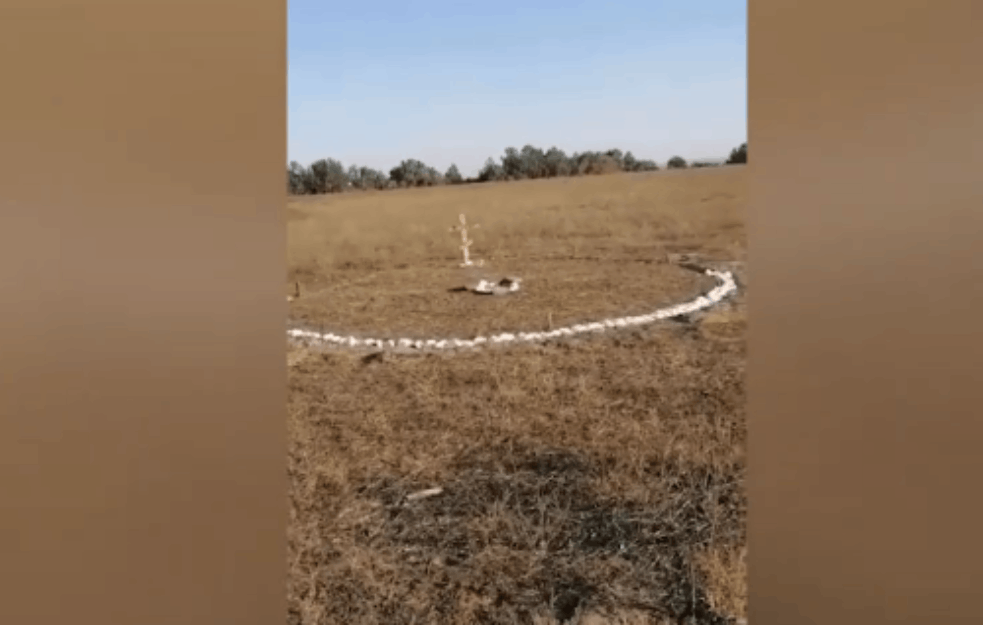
column 726, row 286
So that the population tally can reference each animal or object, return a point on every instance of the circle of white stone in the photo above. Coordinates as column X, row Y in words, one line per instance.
column 726, row 286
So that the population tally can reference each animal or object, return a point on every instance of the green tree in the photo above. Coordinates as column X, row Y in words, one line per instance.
column 533, row 162
column 579, row 163
column 557, row 163
column 629, row 162
column 328, row 176
column 738, row 156
column 676, row 162
column 594, row 163
column 491, row 171
column 414, row 173
column 319, row 176
column 617, row 156
column 355, row 177
column 453, row 175
column 298, row 179
column 512, row 165
column 372, row 178
column 434, row 177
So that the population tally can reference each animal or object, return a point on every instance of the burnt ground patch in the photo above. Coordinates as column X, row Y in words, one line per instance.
column 520, row 529
column 592, row 480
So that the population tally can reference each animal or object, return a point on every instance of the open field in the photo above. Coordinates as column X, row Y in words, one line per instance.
column 597, row 480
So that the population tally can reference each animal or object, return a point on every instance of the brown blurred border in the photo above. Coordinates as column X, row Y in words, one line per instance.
column 142, row 365
column 141, row 359
column 866, row 378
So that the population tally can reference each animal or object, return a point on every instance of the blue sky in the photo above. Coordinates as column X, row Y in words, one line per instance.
column 456, row 82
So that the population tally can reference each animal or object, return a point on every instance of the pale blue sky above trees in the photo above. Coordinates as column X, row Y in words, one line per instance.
column 457, row 82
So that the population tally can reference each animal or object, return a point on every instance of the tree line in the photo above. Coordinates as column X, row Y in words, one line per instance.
column 328, row 175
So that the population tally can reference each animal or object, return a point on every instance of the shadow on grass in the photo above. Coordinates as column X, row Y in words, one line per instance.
column 524, row 533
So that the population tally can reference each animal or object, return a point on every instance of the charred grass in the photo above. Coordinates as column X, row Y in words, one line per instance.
column 598, row 481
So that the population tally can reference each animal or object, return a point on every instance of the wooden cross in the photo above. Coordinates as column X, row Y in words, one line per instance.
column 465, row 242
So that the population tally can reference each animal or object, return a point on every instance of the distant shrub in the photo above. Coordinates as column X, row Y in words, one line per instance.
column 491, row 171
column 557, row 163
column 676, row 162
column 738, row 156
column 453, row 175
column 330, row 176
column 630, row 163
column 414, row 173
column 298, row 179
column 603, row 164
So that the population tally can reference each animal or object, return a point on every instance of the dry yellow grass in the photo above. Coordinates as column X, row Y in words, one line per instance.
column 593, row 481
column 724, row 573
column 575, row 216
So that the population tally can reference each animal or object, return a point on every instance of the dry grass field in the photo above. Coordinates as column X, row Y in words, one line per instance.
column 594, row 481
